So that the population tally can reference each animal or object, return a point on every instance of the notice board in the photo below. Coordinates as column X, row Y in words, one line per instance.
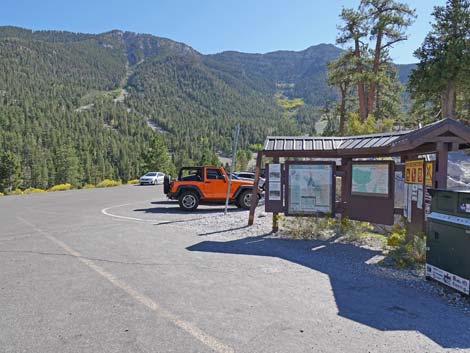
column 371, row 186
column 274, row 188
column 310, row 188
column 370, row 179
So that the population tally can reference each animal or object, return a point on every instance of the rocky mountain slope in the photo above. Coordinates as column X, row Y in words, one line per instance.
column 92, row 97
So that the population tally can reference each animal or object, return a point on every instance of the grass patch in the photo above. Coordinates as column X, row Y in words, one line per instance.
column 380, row 237
column 88, row 186
column 106, row 183
column 327, row 227
column 33, row 191
column 133, row 181
column 16, row 192
column 60, row 187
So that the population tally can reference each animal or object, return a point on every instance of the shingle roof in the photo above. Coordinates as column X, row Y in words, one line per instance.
column 320, row 143
column 362, row 143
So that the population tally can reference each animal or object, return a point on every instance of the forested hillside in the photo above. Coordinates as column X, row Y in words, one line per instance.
column 79, row 108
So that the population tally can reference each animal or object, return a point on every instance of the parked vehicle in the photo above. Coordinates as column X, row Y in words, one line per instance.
column 207, row 184
column 152, row 178
column 233, row 175
column 250, row 176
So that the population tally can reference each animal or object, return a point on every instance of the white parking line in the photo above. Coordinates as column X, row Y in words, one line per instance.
column 172, row 223
column 105, row 212
column 211, row 342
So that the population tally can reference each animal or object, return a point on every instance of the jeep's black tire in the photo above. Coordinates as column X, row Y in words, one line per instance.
column 188, row 200
column 166, row 184
column 244, row 199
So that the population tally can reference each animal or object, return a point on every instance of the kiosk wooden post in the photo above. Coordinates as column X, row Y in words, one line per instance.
column 275, row 227
column 254, row 195
column 441, row 165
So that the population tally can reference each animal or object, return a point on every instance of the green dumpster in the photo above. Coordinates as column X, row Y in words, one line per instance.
column 448, row 238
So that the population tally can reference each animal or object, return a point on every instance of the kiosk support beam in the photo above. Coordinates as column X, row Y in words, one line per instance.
column 441, row 165
column 275, row 227
column 254, row 195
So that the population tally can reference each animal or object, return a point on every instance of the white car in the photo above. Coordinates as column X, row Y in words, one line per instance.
column 152, row 178
column 249, row 176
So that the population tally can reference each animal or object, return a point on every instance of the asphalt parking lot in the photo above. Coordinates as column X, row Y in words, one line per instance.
column 123, row 270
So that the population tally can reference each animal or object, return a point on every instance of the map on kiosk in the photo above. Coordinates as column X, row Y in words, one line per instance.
column 370, row 179
column 310, row 188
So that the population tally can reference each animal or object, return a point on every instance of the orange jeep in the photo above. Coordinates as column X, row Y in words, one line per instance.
column 207, row 184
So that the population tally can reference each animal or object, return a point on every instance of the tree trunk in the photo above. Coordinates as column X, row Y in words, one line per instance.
column 375, row 70
column 360, row 84
column 377, row 99
column 448, row 100
column 342, row 110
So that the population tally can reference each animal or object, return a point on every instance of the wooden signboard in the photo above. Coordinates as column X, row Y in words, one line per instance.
column 274, row 188
column 371, row 186
column 420, row 175
column 414, row 171
column 428, row 173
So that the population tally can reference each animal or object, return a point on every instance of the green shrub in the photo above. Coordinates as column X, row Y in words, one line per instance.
column 88, row 186
column 106, row 183
column 60, row 187
column 16, row 192
column 352, row 230
column 133, row 181
column 326, row 227
column 33, row 190
column 397, row 235
column 411, row 253
column 309, row 227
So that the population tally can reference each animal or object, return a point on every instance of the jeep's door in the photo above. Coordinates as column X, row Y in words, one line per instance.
column 215, row 185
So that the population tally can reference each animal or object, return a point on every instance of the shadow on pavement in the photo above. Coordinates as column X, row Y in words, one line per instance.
column 175, row 209
column 360, row 294
column 222, row 231
column 165, row 202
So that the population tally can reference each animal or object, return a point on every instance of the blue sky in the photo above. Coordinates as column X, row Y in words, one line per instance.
column 209, row 26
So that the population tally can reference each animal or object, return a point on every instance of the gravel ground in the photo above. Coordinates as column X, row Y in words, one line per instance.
column 234, row 226
column 124, row 270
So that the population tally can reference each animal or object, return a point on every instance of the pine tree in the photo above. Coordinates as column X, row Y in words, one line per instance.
column 10, row 172
column 388, row 21
column 372, row 30
column 444, row 59
column 157, row 158
column 67, row 166
column 341, row 74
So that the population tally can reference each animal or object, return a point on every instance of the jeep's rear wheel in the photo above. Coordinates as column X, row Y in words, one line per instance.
column 188, row 201
column 244, row 200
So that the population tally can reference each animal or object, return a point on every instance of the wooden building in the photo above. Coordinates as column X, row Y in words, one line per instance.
column 436, row 139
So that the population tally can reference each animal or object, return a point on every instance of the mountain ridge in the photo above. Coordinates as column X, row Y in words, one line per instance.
column 96, row 93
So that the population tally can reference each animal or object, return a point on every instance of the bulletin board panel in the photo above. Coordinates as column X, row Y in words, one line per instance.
column 274, row 188
column 372, row 191
column 310, row 188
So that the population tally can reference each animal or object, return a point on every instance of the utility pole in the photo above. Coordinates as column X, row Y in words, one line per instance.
column 234, row 152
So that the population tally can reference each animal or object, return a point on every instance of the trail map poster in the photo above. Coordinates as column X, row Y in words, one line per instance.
column 310, row 188
column 370, row 179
